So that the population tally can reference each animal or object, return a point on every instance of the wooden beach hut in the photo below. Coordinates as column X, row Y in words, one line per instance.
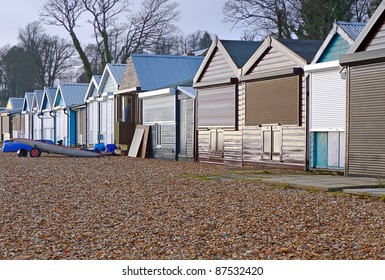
column 67, row 95
column 274, row 104
column 365, row 74
column 170, row 114
column 219, row 123
column 160, row 82
column 92, row 111
column 327, row 98
column 109, row 84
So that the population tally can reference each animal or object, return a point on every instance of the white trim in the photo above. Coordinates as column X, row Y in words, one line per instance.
column 160, row 122
column 322, row 66
column 157, row 93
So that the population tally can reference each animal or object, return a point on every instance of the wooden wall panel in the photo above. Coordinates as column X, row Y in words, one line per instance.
column 272, row 61
column 217, row 69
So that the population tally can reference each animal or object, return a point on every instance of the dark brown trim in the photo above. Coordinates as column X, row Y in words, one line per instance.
column 227, row 81
column 273, row 74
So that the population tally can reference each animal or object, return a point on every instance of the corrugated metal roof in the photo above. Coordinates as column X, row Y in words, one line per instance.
column 95, row 81
column 117, row 71
column 161, row 71
column 190, row 91
column 306, row 49
column 353, row 29
column 15, row 103
column 240, row 51
column 72, row 94
column 27, row 103
column 37, row 98
column 49, row 93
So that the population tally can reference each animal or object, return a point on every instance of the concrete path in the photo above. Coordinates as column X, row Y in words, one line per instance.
column 317, row 182
column 370, row 192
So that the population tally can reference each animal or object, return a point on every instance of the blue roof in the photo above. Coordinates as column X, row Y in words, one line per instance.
column 93, row 85
column 353, row 29
column 27, row 103
column 72, row 94
column 15, row 102
column 161, row 71
column 37, row 98
column 49, row 94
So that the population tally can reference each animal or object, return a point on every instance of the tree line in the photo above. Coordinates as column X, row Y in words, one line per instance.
column 302, row 19
column 40, row 60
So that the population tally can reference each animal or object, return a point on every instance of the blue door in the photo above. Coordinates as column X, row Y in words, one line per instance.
column 321, row 149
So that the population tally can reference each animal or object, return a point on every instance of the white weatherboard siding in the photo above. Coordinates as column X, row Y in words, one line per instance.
column 92, row 123
column 36, row 127
column 26, row 133
column 61, row 127
column 103, row 121
column 48, row 127
column 328, row 101
column 110, row 122
column 159, row 109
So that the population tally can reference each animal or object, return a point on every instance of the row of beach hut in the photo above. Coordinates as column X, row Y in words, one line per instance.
column 287, row 103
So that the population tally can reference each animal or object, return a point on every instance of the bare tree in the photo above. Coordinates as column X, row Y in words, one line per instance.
column 305, row 19
column 261, row 16
column 154, row 21
column 53, row 56
column 104, row 17
column 66, row 13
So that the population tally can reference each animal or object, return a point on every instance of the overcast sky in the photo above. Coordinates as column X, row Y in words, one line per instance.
column 195, row 15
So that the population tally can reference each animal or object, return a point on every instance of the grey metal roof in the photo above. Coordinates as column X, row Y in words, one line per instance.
column 94, row 84
column 161, row 71
column 15, row 102
column 353, row 29
column 49, row 94
column 116, row 71
column 306, row 49
column 27, row 103
column 15, row 105
column 37, row 98
column 240, row 51
column 72, row 94
column 190, row 91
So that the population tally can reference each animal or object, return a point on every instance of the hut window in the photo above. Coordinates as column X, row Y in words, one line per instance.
column 125, row 108
column 273, row 101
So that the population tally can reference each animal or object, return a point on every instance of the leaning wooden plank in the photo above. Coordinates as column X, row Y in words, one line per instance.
column 55, row 149
column 143, row 148
column 136, row 141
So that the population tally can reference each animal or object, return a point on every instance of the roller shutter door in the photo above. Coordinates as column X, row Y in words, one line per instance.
column 366, row 138
column 216, row 107
column 273, row 102
column 328, row 101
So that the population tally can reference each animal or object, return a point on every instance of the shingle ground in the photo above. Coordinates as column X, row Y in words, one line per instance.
column 120, row 208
